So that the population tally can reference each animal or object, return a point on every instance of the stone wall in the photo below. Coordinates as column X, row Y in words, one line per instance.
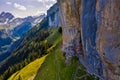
column 91, row 30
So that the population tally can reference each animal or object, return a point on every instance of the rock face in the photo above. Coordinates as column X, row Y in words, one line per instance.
column 108, row 40
column 5, row 17
column 54, row 16
column 91, row 30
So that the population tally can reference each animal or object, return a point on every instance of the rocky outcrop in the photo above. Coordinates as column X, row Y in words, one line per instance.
column 6, row 17
column 91, row 30
column 54, row 16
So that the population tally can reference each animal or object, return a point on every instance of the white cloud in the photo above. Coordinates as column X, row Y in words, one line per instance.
column 19, row 6
column 39, row 0
column 40, row 12
column 45, row 3
column 30, row 6
column 46, row 0
column 48, row 6
column 8, row 3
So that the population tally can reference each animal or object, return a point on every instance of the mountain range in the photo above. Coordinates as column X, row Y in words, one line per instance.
column 6, row 17
column 12, row 29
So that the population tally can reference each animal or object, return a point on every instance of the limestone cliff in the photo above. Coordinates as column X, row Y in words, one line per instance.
column 91, row 30
column 54, row 16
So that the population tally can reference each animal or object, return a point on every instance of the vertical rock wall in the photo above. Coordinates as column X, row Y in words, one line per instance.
column 54, row 16
column 108, row 40
column 92, row 60
column 91, row 30
column 70, row 17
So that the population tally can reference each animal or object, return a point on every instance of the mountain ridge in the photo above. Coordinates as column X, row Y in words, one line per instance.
column 6, row 17
column 13, row 29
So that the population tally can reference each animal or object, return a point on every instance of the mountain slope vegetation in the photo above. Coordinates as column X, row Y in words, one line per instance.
column 55, row 67
column 32, row 46
column 54, row 39
column 29, row 71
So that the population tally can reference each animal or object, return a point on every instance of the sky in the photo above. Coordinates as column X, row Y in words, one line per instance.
column 23, row 8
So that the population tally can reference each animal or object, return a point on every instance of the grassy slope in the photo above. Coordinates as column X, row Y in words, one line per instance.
column 55, row 68
column 28, row 71
column 31, row 69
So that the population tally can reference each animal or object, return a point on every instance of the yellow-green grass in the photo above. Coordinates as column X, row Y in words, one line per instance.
column 29, row 71
column 55, row 68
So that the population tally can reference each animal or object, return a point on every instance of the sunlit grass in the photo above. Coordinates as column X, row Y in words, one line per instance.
column 29, row 71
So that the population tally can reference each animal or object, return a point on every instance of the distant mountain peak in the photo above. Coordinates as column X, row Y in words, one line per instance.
column 6, row 17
